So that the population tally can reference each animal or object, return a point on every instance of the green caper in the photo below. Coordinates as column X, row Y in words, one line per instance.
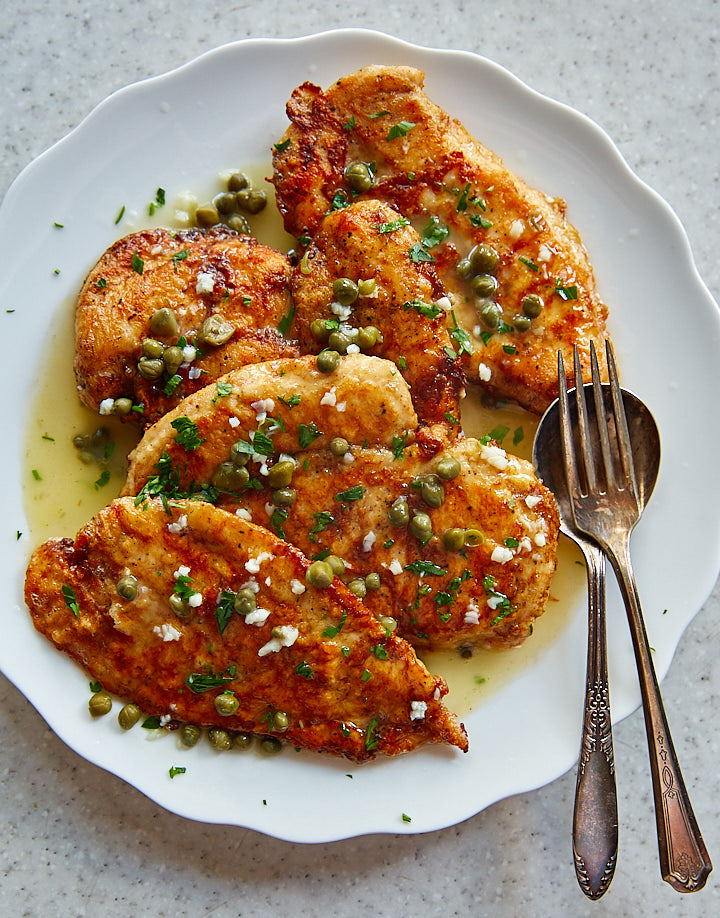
column 245, row 602
column 215, row 331
column 319, row 330
column 473, row 538
column 179, row 606
column 521, row 322
column 337, row 565
column 150, row 368
column 490, row 314
column 238, row 223
column 80, row 441
column 339, row 341
column 100, row 704
column 189, row 734
column 483, row 259
column 280, row 721
column 238, row 454
column 242, row 740
column 284, row 497
column 373, row 581
column 369, row 337
column 484, row 285
column 238, row 181
column 421, row 527
column 327, row 361
column 319, row 574
column 230, row 477
column 226, row 704
column 532, row 305
column 206, row 215
column 122, row 406
column 86, row 457
column 345, row 290
column 366, row 287
column 270, row 745
column 339, row 446
column 432, row 491
column 448, row 468
column 129, row 715
column 388, row 623
column 281, row 474
column 358, row 588
column 225, row 202
column 251, row 200
column 454, row 539
column 172, row 358
column 219, row 739
column 127, row 587
column 163, row 322
column 359, row 176
column 152, row 348
column 399, row 513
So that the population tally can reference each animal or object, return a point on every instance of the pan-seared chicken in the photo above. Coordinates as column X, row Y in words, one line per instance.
column 314, row 655
column 375, row 133
column 213, row 297
column 371, row 245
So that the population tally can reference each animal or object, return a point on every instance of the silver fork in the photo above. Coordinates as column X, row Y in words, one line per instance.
column 605, row 506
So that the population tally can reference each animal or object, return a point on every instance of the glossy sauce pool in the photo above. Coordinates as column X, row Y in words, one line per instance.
column 62, row 493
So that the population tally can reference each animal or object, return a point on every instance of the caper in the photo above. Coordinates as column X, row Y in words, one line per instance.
column 358, row 588
column 127, row 587
column 345, row 290
column 150, row 368
column 448, row 468
column 337, row 565
column 280, row 475
column 189, row 734
column 454, row 539
column 319, row 330
column 399, row 513
column 465, row 651
column 532, row 305
column 421, row 527
column 280, row 721
column 245, row 602
column 152, row 348
column 172, row 358
column 490, row 314
column 100, row 704
column 339, row 446
column 339, row 341
column 215, row 331
column 521, row 323
column 129, row 715
column 473, row 538
column 219, row 739
column 483, row 259
column 359, row 176
column 284, row 497
column 122, row 406
column 319, row 574
column 327, row 361
column 230, row 477
column 242, row 740
column 238, row 181
column 206, row 215
column 225, row 202
column 86, row 457
column 432, row 491
column 484, row 285
column 179, row 606
column 80, row 441
column 464, row 268
column 226, row 704
column 373, row 581
column 251, row 200
column 366, row 287
column 270, row 745
column 369, row 337
column 238, row 223
column 238, row 454
column 163, row 322
column 388, row 623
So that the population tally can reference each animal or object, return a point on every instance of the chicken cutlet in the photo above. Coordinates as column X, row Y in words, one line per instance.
column 515, row 269
column 181, row 638
column 164, row 313
column 361, row 274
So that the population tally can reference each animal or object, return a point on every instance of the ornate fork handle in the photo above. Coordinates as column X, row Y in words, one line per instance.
column 684, row 860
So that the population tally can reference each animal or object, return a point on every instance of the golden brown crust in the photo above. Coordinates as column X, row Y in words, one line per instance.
column 316, row 676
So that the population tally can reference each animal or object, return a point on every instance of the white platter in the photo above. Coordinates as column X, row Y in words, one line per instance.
column 225, row 109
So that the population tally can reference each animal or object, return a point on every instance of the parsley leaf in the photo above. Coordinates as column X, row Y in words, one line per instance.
column 371, row 738
column 566, row 293
column 225, row 609
column 398, row 445
column 290, row 402
column 417, row 254
column 434, row 232
column 203, row 682
column 354, row 493
column 177, row 770
column 528, row 262
column 172, row 384
column 401, row 129
column 137, row 264
column 282, row 145
column 461, row 337
column 322, row 521
column 303, row 669
column 393, row 225
column 333, row 630
column 427, row 310
column 71, row 600
column 462, row 203
column 426, row 567
column 277, row 519
column 187, row 433
column 339, row 200
column 286, row 321
column 307, row 433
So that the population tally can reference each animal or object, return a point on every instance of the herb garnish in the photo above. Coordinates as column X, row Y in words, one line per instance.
column 566, row 293
column 371, row 738
column 225, row 609
column 290, row 402
column 203, row 682
column 282, row 145
column 528, row 262
column 398, row 445
column 307, row 433
column 354, row 493
column 401, row 129
column 393, row 225
column 333, row 630
column 286, row 321
column 177, row 770
column 434, row 232
column 417, row 253
column 427, row 310
column 71, row 600
column 187, row 433
column 137, row 264
column 323, row 520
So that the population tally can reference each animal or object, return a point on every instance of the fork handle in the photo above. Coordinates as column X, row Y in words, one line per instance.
column 684, row 860
column 595, row 816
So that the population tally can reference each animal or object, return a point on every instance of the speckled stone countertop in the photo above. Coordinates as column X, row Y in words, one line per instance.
column 77, row 841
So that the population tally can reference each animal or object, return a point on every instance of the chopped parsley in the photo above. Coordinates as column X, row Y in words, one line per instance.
column 460, row 337
column 366, row 675
column 511, row 542
column 96, row 687
column 401, row 363
column 223, row 389
column 566, row 293
column 177, row 770
column 282, row 145
column 120, row 215
column 502, row 603
column 528, row 262
column 398, row 445
column 151, row 723
column 518, row 435
column 427, row 310
column 158, row 202
column 322, row 521
column 393, row 225
column 137, row 264
column 225, row 609
column 277, row 519
column 307, row 433
column 102, row 283
column 36, row 475
column 417, row 253
column 290, row 402
column 262, row 444
column 303, row 669
column 354, row 493
column 203, row 682
column 371, row 738
column 499, row 433
column 179, row 256
column 478, row 220
column 379, row 651
column 103, row 479
column 401, row 129
column 333, row 630
column 509, row 348
column 406, row 818
column 286, row 321
column 70, row 600
column 450, row 418
column 187, row 433
column 462, row 202
column 172, row 384
column 339, row 200
column 426, row 567
column 349, row 124
column 434, row 232
column 379, row 114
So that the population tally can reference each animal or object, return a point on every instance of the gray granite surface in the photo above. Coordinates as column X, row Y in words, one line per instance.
column 76, row 841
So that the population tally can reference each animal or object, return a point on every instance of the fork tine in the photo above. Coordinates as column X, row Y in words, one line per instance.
column 566, row 437
column 583, row 426
column 601, row 419
column 623, row 434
